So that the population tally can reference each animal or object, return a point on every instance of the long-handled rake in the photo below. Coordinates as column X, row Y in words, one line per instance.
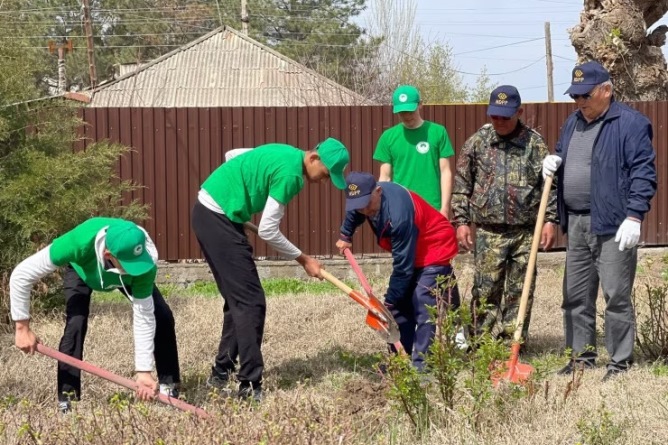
column 513, row 370
column 127, row 383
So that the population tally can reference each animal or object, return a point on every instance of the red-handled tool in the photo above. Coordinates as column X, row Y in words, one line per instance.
column 378, row 317
column 374, row 304
column 129, row 384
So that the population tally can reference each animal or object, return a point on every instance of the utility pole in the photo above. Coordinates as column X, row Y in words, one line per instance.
column 88, row 27
column 244, row 16
column 62, row 49
column 548, row 60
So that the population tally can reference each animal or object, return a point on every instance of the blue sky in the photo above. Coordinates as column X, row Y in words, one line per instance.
column 473, row 27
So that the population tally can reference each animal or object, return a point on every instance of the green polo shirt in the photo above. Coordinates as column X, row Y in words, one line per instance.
column 415, row 156
column 242, row 185
column 77, row 248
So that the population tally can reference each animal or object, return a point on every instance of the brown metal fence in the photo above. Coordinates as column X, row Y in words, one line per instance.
column 175, row 149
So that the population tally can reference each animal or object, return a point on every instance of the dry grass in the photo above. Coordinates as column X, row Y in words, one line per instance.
column 321, row 387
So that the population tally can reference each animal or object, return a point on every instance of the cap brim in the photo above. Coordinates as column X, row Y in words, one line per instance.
column 338, row 180
column 138, row 266
column 405, row 107
column 579, row 89
column 494, row 110
column 357, row 203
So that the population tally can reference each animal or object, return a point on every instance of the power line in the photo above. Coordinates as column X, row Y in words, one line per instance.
column 498, row 46
column 465, row 72
column 564, row 58
column 130, row 35
column 543, row 86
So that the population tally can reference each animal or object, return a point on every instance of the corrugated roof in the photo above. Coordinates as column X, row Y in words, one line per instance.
column 224, row 68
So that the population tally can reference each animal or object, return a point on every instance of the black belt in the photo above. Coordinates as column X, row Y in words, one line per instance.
column 579, row 212
column 503, row 227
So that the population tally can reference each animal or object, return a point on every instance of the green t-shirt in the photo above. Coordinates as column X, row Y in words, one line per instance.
column 77, row 248
column 415, row 157
column 242, row 185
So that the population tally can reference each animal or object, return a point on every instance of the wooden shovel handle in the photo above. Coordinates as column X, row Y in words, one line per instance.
column 355, row 295
column 535, row 243
column 336, row 282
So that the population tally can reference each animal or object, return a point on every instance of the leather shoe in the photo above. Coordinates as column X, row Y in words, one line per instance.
column 612, row 373
column 574, row 365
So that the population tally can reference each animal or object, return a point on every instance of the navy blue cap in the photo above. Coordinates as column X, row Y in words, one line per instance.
column 586, row 77
column 504, row 101
column 359, row 186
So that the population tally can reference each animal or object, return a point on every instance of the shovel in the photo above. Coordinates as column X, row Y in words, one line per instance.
column 378, row 317
column 129, row 384
column 513, row 370
column 373, row 302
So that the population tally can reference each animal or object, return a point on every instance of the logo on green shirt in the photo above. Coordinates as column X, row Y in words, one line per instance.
column 422, row 147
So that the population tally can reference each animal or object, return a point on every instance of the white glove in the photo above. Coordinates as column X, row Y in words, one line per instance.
column 551, row 164
column 628, row 234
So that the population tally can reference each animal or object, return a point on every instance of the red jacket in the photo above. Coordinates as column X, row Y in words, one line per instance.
column 406, row 225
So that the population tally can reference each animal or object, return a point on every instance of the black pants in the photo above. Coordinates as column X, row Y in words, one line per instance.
column 230, row 257
column 77, row 309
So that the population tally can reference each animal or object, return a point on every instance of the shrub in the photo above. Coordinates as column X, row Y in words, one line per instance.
column 652, row 325
column 460, row 377
column 48, row 187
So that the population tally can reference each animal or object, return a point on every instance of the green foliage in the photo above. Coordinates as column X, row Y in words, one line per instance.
column 292, row 286
column 7, row 402
column 355, row 361
column 47, row 186
column 408, row 391
column 660, row 369
column 119, row 401
column 125, row 31
column 652, row 321
column 273, row 287
column 601, row 429
column 431, row 68
column 321, row 34
column 458, row 375
column 324, row 35
column 482, row 88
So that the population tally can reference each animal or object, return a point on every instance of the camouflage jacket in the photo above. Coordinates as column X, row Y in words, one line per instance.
column 499, row 181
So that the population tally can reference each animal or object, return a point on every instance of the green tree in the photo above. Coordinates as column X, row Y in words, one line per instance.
column 125, row 31
column 432, row 71
column 482, row 88
column 46, row 187
column 321, row 34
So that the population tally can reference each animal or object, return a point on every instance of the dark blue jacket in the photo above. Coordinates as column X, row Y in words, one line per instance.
column 623, row 174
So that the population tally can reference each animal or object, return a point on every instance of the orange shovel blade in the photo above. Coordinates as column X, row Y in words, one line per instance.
column 512, row 370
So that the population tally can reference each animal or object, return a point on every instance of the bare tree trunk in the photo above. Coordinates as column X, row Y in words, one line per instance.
column 615, row 33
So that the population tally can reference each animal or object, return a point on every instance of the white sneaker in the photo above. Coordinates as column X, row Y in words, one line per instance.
column 64, row 407
column 169, row 390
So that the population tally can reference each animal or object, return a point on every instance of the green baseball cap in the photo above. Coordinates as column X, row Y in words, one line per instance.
column 405, row 98
column 335, row 156
column 127, row 243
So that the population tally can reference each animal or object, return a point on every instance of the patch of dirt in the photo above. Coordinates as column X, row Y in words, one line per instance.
column 362, row 395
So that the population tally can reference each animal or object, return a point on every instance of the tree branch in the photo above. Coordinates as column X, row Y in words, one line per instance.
column 658, row 36
column 652, row 10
